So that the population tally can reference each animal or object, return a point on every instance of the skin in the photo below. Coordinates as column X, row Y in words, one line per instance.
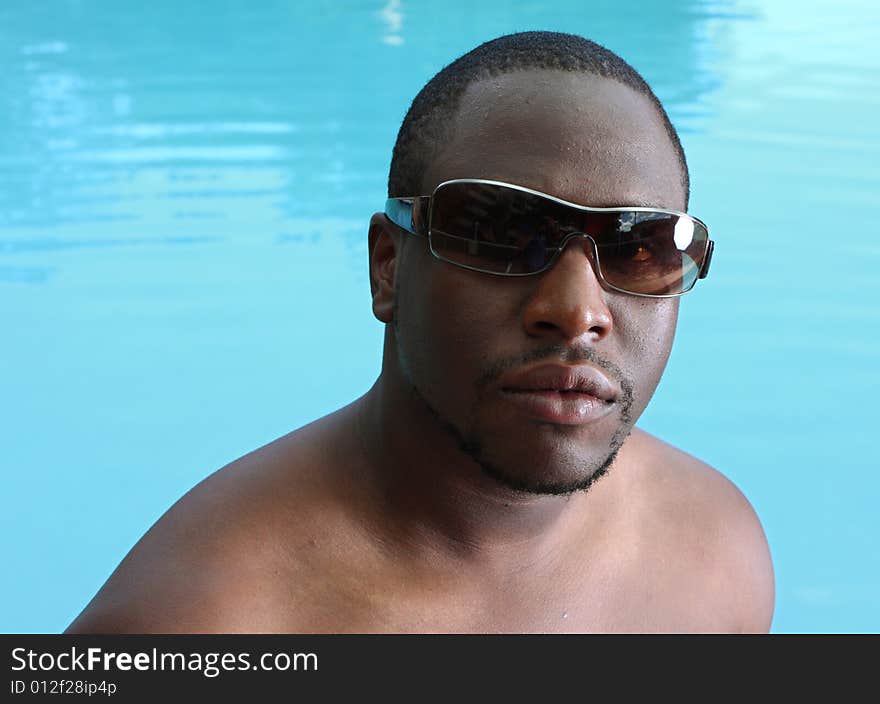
column 373, row 519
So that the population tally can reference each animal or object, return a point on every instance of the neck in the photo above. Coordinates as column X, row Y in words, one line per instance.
column 437, row 501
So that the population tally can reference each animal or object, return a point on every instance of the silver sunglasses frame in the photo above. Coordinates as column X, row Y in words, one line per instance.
column 409, row 212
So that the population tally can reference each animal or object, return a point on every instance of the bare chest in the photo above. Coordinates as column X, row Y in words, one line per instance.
column 651, row 595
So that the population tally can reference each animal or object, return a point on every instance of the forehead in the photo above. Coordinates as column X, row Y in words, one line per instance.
column 580, row 137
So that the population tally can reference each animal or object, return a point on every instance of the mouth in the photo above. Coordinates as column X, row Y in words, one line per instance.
column 559, row 406
column 560, row 394
column 515, row 390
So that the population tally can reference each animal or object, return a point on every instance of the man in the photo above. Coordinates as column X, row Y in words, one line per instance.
column 460, row 493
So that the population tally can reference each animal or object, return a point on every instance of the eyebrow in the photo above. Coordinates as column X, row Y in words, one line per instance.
column 633, row 202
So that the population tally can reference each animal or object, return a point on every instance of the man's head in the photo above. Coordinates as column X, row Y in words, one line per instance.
column 430, row 119
column 560, row 115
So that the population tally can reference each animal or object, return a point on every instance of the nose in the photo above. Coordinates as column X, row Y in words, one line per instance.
column 568, row 301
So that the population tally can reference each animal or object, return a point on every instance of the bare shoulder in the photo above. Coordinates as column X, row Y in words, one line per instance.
column 218, row 559
column 190, row 572
column 717, row 530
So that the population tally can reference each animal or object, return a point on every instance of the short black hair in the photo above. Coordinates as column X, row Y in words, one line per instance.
column 429, row 119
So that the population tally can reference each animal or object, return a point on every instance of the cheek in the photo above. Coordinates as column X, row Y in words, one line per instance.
column 446, row 320
column 645, row 331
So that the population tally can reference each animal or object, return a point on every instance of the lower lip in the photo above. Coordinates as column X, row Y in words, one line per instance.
column 561, row 407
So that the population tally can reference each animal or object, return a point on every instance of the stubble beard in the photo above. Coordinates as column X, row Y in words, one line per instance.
column 470, row 442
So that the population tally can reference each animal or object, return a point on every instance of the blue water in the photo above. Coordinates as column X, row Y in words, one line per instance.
column 183, row 276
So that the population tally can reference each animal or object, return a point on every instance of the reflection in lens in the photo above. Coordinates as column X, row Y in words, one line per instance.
column 645, row 257
column 684, row 233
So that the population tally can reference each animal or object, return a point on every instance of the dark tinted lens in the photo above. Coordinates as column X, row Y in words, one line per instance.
column 503, row 230
column 494, row 228
column 653, row 253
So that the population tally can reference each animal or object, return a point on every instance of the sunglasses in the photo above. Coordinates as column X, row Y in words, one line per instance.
column 508, row 230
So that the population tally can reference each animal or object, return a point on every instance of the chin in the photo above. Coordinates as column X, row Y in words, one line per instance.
column 540, row 470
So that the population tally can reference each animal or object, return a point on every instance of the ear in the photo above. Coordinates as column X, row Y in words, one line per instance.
column 384, row 244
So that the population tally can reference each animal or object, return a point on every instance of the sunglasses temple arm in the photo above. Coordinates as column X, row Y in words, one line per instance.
column 704, row 270
column 408, row 213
